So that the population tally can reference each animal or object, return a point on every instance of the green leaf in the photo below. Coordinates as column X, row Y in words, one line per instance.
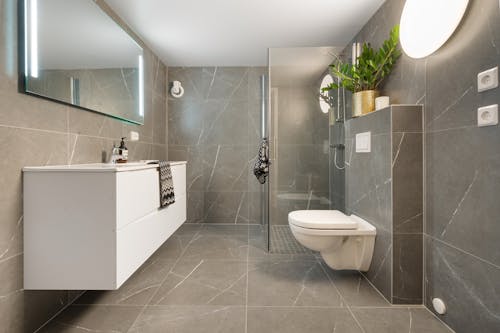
column 372, row 68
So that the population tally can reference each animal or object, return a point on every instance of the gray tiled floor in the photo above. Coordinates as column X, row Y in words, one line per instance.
column 218, row 279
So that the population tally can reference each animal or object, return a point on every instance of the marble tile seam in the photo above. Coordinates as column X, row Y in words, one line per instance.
column 34, row 129
column 57, row 313
column 461, row 250
column 246, row 282
column 373, row 286
column 342, row 298
column 75, row 134
column 450, row 129
column 153, row 295
column 407, row 132
column 407, row 233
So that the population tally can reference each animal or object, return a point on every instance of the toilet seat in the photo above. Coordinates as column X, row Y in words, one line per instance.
column 322, row 220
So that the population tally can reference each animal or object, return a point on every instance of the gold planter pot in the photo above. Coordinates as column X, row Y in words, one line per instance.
column 363, row 102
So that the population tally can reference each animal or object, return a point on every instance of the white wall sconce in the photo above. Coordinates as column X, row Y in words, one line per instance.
column 427, row 24
column 177, row 90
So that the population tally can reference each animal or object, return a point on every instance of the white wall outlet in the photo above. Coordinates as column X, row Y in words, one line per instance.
column 134, row 136
column 363, row 142
column 487, row 80
column 487, row 115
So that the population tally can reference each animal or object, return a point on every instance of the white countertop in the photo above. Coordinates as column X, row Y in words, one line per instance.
column 100, row 167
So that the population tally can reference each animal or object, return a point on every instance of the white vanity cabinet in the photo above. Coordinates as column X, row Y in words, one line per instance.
column 90, row 226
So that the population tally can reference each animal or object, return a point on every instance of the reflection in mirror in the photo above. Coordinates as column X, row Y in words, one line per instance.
column 76, row 54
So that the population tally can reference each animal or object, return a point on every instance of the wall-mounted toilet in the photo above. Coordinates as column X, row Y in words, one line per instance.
column 344, row 242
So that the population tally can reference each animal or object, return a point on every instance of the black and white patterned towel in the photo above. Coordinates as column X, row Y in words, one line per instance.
column 261, row 166
column 167, row 195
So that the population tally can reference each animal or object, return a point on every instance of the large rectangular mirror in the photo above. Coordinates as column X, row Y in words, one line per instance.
column 74, row 53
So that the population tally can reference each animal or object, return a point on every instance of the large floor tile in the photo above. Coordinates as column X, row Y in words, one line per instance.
column 177, row 243
column 290, row 283
column 257, row 246
column 188, row 229
column 213, row 245
column 355, row 289
column 80, row 319
column 397, row 320
column 138, row 290
column 301, row 320
column 224, row 229
column 213, row 319
column 204, row 282
column 210, row 285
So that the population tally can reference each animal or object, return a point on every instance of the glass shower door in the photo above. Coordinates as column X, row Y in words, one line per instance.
column 300, row 140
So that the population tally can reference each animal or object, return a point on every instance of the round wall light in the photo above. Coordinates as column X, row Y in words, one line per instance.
column 327, row 80
column 427, row 24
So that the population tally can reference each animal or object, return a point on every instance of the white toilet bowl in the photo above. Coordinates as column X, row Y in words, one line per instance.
column 344, row 242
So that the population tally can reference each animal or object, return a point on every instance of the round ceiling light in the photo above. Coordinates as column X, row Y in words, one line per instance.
column 327, row 80
column 427, row 24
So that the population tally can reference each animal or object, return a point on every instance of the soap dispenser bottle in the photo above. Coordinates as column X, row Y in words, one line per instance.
column 122, row 152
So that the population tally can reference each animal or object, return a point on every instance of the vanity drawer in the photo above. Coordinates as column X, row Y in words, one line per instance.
column 137, row 195
column 179, row 179
column 137, row 241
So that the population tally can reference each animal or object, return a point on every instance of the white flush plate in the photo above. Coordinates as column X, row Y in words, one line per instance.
column 363, row 142
column 487, row 115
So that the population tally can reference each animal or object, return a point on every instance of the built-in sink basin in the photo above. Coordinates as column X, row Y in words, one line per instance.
column 103, row 167
column 135, row 163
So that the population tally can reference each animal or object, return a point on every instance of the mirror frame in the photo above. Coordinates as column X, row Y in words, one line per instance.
column 23, row 59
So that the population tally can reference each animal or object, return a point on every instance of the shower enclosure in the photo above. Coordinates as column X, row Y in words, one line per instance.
column 306, row 142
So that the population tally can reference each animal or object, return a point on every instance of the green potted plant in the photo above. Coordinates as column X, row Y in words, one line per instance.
column 363, row 77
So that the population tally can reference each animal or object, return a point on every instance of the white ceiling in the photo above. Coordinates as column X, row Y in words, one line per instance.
column 300, row 66
column 237, row 32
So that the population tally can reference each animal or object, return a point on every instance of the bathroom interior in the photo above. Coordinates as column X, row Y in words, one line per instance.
column 209, row 167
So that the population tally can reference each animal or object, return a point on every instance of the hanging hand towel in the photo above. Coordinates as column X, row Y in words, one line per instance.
column 167, row 196
column 261, row 167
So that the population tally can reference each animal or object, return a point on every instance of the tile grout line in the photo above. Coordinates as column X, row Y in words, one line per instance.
column 461, row 250
column 439, row 319
column 58, row 313
column 374, row 287
column 74, row 133
column 246, row 296
column 341, row 296
column 163, row 281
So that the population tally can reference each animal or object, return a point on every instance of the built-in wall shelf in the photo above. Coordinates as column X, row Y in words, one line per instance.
column 91, row 226
column 389, row 107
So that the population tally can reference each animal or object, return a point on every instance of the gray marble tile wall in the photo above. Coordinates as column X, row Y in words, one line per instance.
column 337, row 167
column 34, row 131
column 462, row 181
column 384, row 187
column 299, row 173
column 215, row 126
column 369, row 187
column 407, row 203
